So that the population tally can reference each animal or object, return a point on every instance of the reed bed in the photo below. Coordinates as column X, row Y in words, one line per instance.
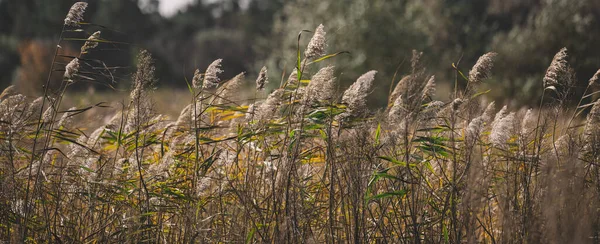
column 307, row 164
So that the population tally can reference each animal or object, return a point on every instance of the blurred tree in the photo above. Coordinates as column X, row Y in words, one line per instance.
column 527, row 49
column 381, row 33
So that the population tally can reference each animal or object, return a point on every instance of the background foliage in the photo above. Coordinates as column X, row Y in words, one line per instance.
column 380, row 35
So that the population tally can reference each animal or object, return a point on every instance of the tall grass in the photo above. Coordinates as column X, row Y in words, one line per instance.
column 306, row 165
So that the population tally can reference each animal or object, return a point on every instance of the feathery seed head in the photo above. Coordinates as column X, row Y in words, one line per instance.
column 591, row 131
column 321, row 86
column 293, row 78
column 262, row 79
column 250, row 112
column 431, row 111
column 35, row 106
column 529, row 123
column 185, row 117
column 316, row 46
column 488, row 112
column 10, row 106
column 400, row 88
column 144, row 75
column 595, row 78
column 482, row 69
column 502, row 130
column 67, row 118
column 415, row 60
column 72, row 68
column 501, row 114
column 456, row 104
column 474, row 130
column 356, row 95
column 429, row 89
column 397, row 111
column 236, row 82
column 9, row 91
column 558, row 70
column 47, row 115
column 75, row 15
column 211, row 76
column 562, row 144
column 197, row 79
column 230, row 88
column 91, row 43
column 268, row 108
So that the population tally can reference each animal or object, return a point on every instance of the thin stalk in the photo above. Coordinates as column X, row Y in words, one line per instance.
column 37, row 134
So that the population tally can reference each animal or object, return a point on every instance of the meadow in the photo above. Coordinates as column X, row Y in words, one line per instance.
column 309, row 162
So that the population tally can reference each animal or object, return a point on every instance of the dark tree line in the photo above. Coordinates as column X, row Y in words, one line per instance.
column 379, row 34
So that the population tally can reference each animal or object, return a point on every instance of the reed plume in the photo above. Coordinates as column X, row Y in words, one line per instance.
column 558, row 69
column 316, row 46
column 355, row 97
column 72, row 68
column 483, row 68
column 262, row 79
column 502, row 130
column 91, row 43
column 211, row 76
column 594, row 78
column 321, row 86
column 270, row 106
column 429, row 89
column 75, row 15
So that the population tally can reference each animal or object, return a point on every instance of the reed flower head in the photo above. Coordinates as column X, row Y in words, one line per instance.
column 316, row 46
column 75, row 15
column 211, row 76
column 67, row 118
column 72, row 68
column 595, row 78
column 397, row 111
column 558, row 70
column 482, row 69
column 415, row 61
column 293, row 78
column 185, row 117
column 144, row 75
column 229, row 89
column 429, row 89
column 456, row 104
column 356, row 95
column 474, row 130
column 91, row 43
column 591, row 132
column 10, row 106
column 529, row 123
column 400, row 89
column 35, row 107
column 502, row 130
column 501, row 114
column 251, row 111
column 9, row 91
column 197, row 79
column 48, row 114
column 268, row 108
column 563, row 144
column 488, row 112
column 262, row 79
column 321, row 86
